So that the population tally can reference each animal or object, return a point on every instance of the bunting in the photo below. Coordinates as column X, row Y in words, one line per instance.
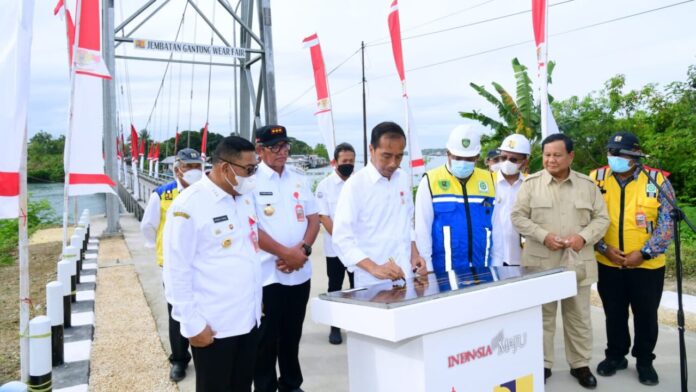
column 417, row 164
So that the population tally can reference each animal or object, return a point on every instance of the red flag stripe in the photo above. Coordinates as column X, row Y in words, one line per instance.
column 58, row 7
column 539, row 21
column 87, row 179
column 9, row 183
column 395, row 33
column 322, row 87
column 417, row 162
column 204, row 140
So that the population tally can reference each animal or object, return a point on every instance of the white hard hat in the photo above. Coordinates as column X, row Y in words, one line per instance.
column 516, row 143
column 464, row 141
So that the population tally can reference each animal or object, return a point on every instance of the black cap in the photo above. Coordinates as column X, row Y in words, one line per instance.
column 189, row 155
column 269, row 135
column 623, row 140
column 492, row 153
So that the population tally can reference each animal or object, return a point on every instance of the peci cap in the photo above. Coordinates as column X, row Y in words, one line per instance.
column 188, row 155
column 269, row 135
column 464, row 141
column 516, row 143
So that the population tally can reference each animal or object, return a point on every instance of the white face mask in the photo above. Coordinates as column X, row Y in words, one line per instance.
column 508, row 168
column 495, row 167
column 192, row 176
column 244, row 184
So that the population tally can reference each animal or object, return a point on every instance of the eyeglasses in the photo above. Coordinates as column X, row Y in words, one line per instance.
column 250, row 170
column 514, row 160
column 277, row 147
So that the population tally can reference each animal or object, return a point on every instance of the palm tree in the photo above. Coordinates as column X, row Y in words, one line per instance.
column 521, row 116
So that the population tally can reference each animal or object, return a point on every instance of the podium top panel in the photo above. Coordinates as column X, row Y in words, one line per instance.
column 434, row 286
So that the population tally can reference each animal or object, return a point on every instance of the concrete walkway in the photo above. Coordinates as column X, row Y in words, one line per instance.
column 325, row 366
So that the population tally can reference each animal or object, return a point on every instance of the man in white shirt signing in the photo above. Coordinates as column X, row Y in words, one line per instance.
column 328, row 191
column 373, row 227
column 212, row 275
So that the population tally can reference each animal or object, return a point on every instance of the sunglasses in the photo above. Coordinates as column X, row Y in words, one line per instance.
column 277, row 147
column 514, row 160
column 250, row 170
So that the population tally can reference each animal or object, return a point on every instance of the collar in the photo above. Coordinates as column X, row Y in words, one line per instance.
column 636, row 174
column 268, row 172
column 375, row 176
column 179, row 187
column 548, row 178
column 500, row 178
column 336, row 178
column 217, row 192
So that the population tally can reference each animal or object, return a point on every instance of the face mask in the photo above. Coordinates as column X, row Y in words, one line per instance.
column 495, row 167
column 244, row 184
column 462, row 169
column 619, row 164
column 192, row 176
column 345, row 170
column 508, row 168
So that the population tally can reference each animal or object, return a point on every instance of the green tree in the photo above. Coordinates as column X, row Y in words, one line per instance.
column 320, row 150
column 298, row 147
column 45, row 158
column 516, row 115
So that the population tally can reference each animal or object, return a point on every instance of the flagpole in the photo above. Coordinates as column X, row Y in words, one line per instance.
column 364, row 104
column 23, row 265
column 543, row 75
column 68, row 136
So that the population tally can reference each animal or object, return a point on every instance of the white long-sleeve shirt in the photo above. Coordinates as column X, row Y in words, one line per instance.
column 212, row 275
column 423, row 225
column 505, row 238
column 374, row 219
column 328, row 191
column 277, row 200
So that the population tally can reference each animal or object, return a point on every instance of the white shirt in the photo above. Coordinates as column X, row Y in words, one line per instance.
column 374, row 219
column 277, row 199
column 212, row 275
column 151, row 218
column 328, row 191
column 423, row 224
column 506, row 239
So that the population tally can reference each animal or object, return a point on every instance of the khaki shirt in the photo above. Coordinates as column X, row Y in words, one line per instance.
column 545, row 205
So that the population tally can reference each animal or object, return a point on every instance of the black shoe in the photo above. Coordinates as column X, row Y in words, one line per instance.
column 177, row 372
column 335, row 336
column 585, row 377
column 608, row 367
column 647, row 375
column 547, row 374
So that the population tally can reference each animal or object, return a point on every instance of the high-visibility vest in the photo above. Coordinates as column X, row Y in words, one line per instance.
column 462, row 219
column 633, row 212
column 167, row 193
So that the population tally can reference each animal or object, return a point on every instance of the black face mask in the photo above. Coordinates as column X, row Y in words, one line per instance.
column 345, row 170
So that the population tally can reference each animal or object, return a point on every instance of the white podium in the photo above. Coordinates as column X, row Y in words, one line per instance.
column 481, row 333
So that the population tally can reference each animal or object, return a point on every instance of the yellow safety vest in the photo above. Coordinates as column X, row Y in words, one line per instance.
column 167, row 193
column 633, row 213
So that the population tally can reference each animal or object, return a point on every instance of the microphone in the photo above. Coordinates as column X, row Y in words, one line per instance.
column 636, row 154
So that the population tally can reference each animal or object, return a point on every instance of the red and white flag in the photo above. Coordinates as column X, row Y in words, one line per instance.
column 15, row 53
column 417, row 164
column 89, row 60
column 204, row 140
column 176, row 142
column 540, row 25
column 324, row 113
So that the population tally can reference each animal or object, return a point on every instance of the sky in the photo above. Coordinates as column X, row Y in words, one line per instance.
column 654, row 47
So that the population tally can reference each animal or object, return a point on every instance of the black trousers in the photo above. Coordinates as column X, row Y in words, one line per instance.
column 284, row 310
column 227, row 364
column 641, row 290
column 336, row 271
column 179, row 344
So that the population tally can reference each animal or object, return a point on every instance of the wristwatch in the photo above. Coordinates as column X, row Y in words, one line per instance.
column 646, row 255
column 307, row 249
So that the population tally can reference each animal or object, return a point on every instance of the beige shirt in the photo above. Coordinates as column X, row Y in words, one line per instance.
column 574, row 205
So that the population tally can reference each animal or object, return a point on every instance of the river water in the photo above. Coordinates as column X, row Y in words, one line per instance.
column 96, row 203
column 53, row 192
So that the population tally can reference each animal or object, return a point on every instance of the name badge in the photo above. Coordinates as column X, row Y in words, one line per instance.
column 265, row 193
column 641, row 220
column 219, row 219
